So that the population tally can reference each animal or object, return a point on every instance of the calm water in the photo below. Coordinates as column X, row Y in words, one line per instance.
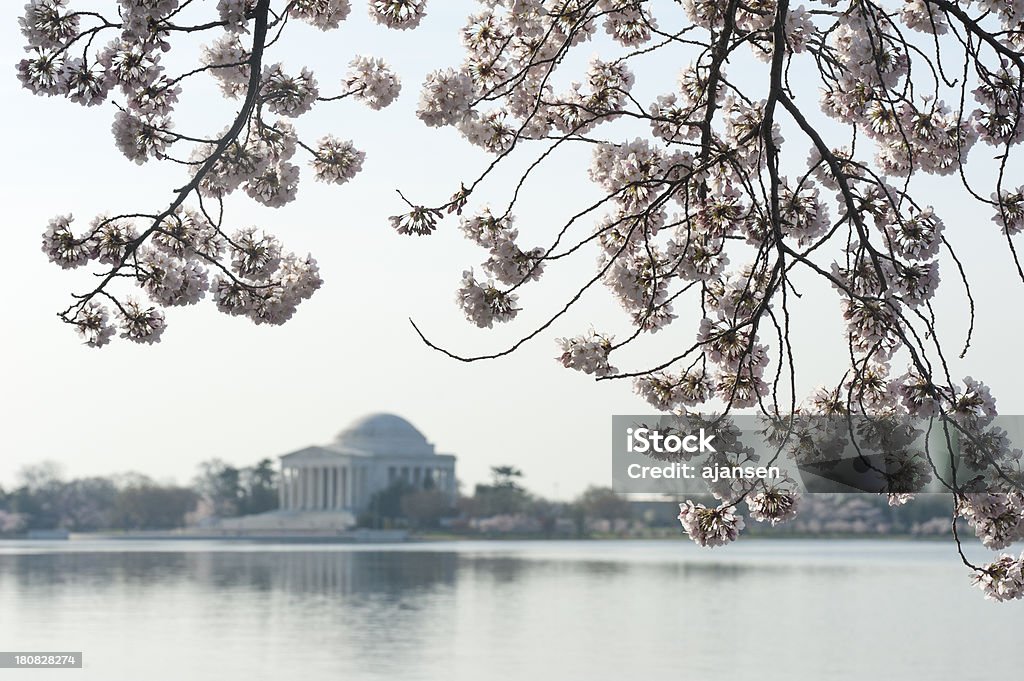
column 816, row 610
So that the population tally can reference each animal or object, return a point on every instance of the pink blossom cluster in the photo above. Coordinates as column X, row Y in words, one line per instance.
column 178, row 255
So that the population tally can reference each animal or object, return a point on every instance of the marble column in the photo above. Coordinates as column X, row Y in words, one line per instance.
column 310, row 488
column 337, row 487
column 324, row 488
column 339, row 501
column 318, row 501
column 357, row 486
column 332, row 487
column 346, row 473
column 328, row 488
column 293, row 489
column 349, row 487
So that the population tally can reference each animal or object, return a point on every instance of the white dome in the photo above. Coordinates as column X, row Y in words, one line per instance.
column 384, row 434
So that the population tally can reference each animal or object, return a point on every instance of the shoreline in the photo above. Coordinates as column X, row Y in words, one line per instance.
column 401, row 536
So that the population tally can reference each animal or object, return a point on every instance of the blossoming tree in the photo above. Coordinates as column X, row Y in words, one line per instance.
column 179, row 252
column 706, row 212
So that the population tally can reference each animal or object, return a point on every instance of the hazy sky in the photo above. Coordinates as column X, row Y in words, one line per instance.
column 220, row 387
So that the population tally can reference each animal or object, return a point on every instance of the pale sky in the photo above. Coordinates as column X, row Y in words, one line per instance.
column 221, row 387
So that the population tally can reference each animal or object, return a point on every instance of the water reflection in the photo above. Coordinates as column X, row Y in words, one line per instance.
column 301, row 572
column 495, row 612
column 342, row 573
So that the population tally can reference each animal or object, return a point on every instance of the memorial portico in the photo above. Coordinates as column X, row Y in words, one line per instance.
column 372, row 454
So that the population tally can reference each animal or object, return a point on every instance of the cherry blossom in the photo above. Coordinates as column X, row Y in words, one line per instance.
column 705, row 223
column 372, row 82
column 178, row 253
column 710, row 526
column 1002, row 579
column 587, row 353
column 484, row 303
column 695, row 224
column 324, row 14
column 401, row 14
column 337, row 161
column 774, row 505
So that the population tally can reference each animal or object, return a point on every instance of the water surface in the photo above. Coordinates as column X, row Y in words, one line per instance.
column 481, row 611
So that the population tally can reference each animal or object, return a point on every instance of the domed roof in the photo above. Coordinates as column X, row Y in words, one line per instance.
column 384, row 434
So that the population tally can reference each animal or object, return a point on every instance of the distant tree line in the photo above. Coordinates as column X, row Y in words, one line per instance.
column 44, row 500
column 232, row 491
column 503, row 504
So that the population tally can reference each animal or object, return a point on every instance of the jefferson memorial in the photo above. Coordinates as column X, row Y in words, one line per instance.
column 373, row 453
column 326, row 487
